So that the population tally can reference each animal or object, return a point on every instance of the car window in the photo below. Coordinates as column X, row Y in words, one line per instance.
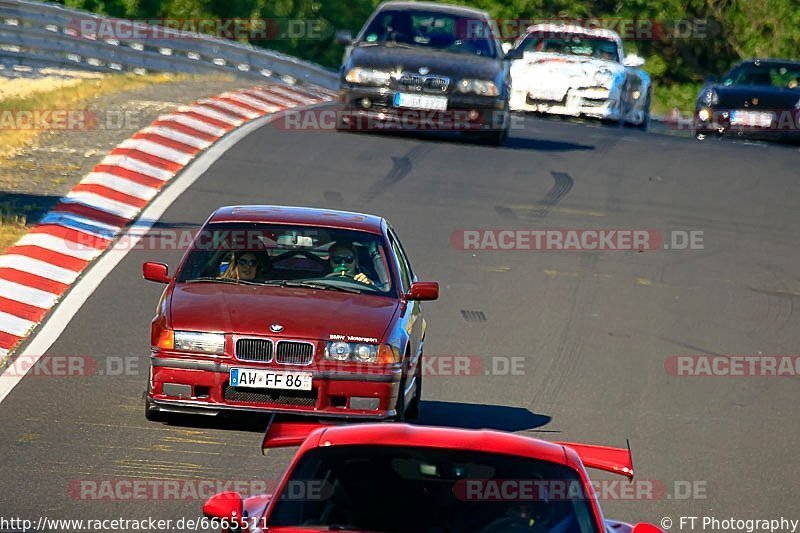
column 405, row 271
column 372, row 488
column 567, row 44
column 403, row 254
column 781, row 76
column 265, row 254
column 431, row 29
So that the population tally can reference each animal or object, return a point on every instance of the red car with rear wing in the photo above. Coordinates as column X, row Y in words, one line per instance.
column 292, row 310
column 402, row 478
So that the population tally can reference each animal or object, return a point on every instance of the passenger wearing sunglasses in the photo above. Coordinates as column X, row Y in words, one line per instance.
column 344, row 262
column 244, row 267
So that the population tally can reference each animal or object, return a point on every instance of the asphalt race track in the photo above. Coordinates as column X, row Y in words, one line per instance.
column 595, row 328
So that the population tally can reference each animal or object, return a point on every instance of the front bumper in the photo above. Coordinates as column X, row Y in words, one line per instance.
column 202, row 386
column 594, row 102
column 464, row 112
column 716, row 122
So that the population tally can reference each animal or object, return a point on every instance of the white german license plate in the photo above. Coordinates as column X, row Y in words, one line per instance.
column 551, row 94
column 420, row 101
column 751, row 118
column 269, row 379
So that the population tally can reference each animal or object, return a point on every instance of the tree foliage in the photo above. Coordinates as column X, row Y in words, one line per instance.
column 698, row 37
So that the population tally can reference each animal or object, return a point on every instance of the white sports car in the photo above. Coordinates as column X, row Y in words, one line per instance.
column 569, row 70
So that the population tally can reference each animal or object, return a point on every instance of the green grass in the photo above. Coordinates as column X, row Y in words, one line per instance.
column 13, row 219
column 67, row 98
column 669, row 97
column 12, row 228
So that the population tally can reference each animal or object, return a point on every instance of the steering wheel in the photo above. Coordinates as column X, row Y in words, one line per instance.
column 341, row 272
column 541, row 522
column 304, row 253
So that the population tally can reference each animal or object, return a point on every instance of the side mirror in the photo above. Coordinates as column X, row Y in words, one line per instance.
column 158, row 272
column 643, row 527
column 632, row 60
column 513, row 54
column 507, row 46
column 227, row 506
column 423, row 290
column 344, row 37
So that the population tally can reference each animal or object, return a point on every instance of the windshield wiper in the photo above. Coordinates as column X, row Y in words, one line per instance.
column 315, row 285
column 388, row 44
column 221, row 280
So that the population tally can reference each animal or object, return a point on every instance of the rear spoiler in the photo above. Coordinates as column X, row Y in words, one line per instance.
column 285, row 434
column 614, row 460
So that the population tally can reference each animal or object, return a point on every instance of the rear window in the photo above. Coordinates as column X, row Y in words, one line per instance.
column 403, row 489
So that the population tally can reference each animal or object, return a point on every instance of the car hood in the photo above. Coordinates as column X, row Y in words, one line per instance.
column 453, row 65
column 303, row 313
column 540, row 66
column 735, row 96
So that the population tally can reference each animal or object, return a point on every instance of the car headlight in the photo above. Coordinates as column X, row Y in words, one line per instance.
column 338, row 351
column 481, row 87
column 198, row 342
column 368, row 76
column 709, row 97
column 361, row 353
column 603, row 77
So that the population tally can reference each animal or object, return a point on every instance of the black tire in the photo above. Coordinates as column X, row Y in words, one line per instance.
column 412, row 412
column 646, row 117
column 400, row 406
column 152, row 414
column 490, row 138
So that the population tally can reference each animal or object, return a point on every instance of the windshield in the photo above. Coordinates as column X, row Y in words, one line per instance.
column 405, row 489
column 268, row 254
column 430, row 29
column 570, row 44
column 781, row 76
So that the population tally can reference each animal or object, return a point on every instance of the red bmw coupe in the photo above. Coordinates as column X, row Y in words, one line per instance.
column 291, row 310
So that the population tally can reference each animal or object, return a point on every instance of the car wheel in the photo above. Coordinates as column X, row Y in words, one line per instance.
column 497, row 137
column 400, row 406
column 490, row 138
column 412, row 413
column 620, row 121
column 152, row 413
column 646, row 114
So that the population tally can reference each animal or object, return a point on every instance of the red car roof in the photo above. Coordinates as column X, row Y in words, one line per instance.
column 440, row 437
column 306, row 216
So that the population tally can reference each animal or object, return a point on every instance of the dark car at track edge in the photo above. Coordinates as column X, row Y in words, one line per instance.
column 758, row 99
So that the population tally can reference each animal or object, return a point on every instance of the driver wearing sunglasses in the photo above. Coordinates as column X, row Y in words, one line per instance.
column 344, row 261
column 244, row 267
